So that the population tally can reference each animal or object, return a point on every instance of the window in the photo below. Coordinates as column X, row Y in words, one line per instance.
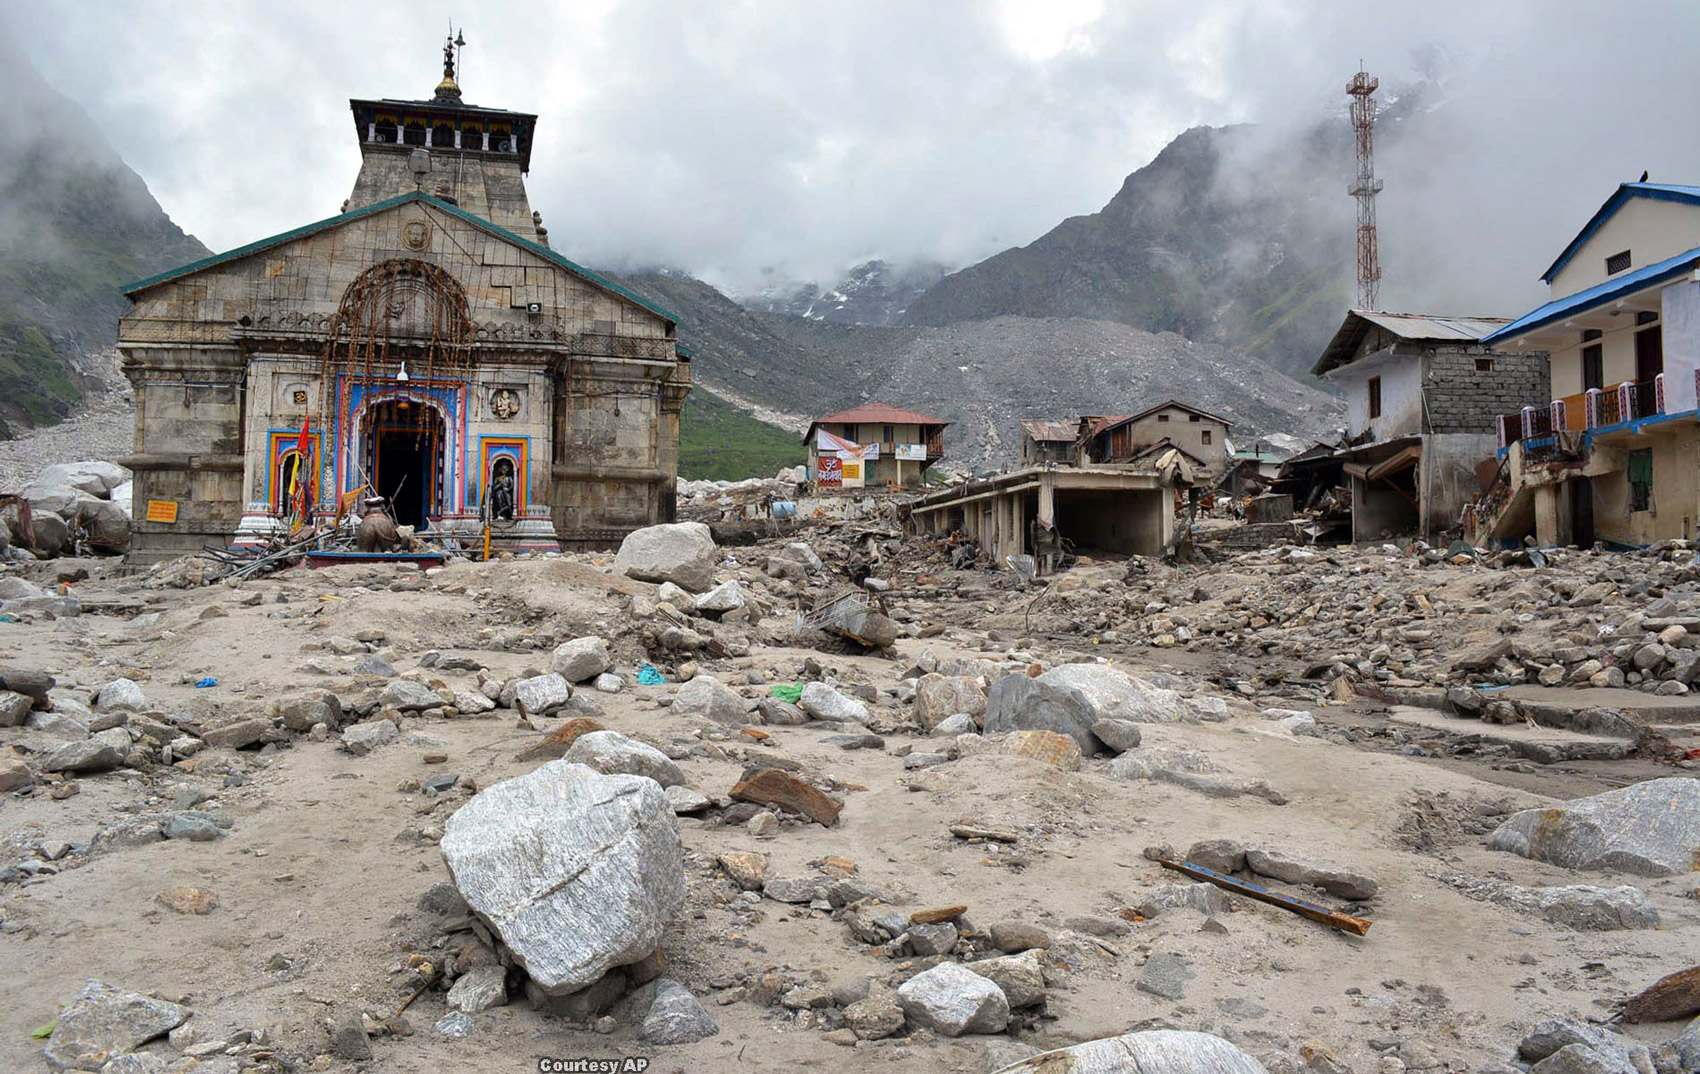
column 1616, row 263
column 1192, row 417
column 886, row 434
column 1162, row 417
column 1593, row 359
column 1484, row 365
column 1641, row 480
column 1204, row 434
column 1649, row 346
column 1374, row 398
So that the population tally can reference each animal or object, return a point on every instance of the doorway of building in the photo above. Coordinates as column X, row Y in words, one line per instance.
column 404, row 458
column 1582, row 512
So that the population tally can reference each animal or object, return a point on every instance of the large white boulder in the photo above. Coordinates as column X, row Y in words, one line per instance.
column 1648, row 829
column 576, row 872
column 581, row 659
column 677, row 552
column 1155, row 1051
column 951, row 1001
column 706, row 695
column 610, row 752
column 94, row 477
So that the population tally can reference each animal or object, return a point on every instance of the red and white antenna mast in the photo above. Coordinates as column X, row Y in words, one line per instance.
column 1366, row 186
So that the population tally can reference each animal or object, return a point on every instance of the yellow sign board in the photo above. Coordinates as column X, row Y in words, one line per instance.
column 162, row 511
column 852, row 471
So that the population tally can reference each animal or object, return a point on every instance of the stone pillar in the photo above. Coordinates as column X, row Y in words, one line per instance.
column 1547, row 515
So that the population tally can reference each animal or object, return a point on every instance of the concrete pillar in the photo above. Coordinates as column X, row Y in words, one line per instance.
column 1547, row 515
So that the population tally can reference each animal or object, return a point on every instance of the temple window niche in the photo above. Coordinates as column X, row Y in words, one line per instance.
column 442, row 134
column 472, row 137
column 385, row 129
column 413, row 132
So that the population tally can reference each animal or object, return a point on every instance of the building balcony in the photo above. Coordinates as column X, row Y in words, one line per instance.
column 1586, row 412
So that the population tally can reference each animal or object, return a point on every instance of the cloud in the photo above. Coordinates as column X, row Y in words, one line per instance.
column 776, row 139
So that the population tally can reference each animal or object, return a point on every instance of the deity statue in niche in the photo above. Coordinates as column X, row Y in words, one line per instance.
column 502, row 489
column 504, row 403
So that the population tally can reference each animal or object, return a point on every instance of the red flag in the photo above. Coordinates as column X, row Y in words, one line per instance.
column 303, row 477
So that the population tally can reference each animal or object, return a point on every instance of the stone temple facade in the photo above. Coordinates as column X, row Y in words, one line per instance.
column 436, row 349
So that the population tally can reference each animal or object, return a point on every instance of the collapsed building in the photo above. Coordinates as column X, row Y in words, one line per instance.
column 426, row 345
column 1422, row 394
column 1612, row 452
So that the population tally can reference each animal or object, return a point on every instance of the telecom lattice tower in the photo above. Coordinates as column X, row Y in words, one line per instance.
column 1366, row 186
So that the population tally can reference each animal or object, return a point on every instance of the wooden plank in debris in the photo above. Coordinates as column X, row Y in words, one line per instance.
column 1357, row 926
column 1673, row 996
column 974, row 831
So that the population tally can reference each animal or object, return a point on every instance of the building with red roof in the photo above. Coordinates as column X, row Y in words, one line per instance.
column 871, row 445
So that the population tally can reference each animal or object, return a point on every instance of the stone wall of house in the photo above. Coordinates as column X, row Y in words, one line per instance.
column 1464, row 399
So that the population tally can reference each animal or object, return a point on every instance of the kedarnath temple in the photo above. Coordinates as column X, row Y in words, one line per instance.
column 435, row 349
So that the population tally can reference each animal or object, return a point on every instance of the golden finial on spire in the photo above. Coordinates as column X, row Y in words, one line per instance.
column 448, row 87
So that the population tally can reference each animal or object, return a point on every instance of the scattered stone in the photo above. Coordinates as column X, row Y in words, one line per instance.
column 1577, row 906
column 1166, row 975
column 455, row 1025
column 773, row 787
column 479, row 989
column 1021, row 977
column 608, row 683
column 1647, row 829
column 952, row 1000
column 405, row 695
column 118, row 694
column 1048, row 747
column 685, row 801
column 728, row 596
column 14, row 707
column 941, row 697
column 362, row 738
column 235, row 736
column 679, row 552
column 87, row 755
column 576, row 871
column 557, row 742
column 822, row 702
column 875, row 1017
column 1013, row 937
column 348, row 1037
column 763, row 825
column 541, row 695
column 1219, row 855
column 1330, row 878
column 14, row 775
column 1118, row 736
column 1154, row 1051
column 581, row 659
column 610, row 752
column 675, row 1016
column 103, row 1020
column 198, row 901
column 926, row 940
column 707, row 696
column 747, row 868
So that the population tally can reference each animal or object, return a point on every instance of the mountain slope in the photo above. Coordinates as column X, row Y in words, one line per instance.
column 874, row 292
column 75, row 224
column 1229, row 236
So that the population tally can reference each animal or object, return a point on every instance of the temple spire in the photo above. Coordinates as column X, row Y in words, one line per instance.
column 448, row 88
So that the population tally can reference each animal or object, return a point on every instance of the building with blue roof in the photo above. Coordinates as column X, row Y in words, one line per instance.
column 426, row 346
column 1614, row 456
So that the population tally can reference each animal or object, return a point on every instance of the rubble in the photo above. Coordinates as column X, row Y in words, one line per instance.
column 1156, row 1051
column 952, row 1000
column 103, row 1021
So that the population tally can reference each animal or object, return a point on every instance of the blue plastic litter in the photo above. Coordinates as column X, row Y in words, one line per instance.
column 783, row 509
column 648, row 676
column 203, row 683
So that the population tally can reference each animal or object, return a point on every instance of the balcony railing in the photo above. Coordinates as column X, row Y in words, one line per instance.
column 1593, row 409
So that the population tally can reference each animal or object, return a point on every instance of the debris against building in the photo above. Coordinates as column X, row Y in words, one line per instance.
column 1202, row 435
column 872, row 446
column 1044, row 440
column 426, row 346
column 1613, row 456
column 1422, row 396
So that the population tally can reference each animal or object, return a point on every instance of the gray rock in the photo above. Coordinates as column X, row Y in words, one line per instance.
column 362, row 738
column 57, row 724
column 86, row 755
column 1205, row 898
column 14, row 708
column 822, row 702
column 924, row 760
column 234, row 736
column 781, row 713
column 479, row 989
column 1166, row 975
column 1301, row 724
column 1020, row 703
column 934, row 939
column 139, row 1063
column 608, row 683
column 1155, row 1051
column 668, row 593
column 1222, row 855
column 1114, row 695
column 581, row 659
column 121, row 694
column 542, row 695
column 795, row 889
column 1585, row 1043
column 681, row 552
column 683, row 800
column 676, row 1016
column 875, row 1017
column 1118, row 736
column 952, row 1000
column 1021, row 977
column 1648, row 829
column 442, row 898
column 300, row 714
column 939, row 697
column 405, row 695
column 1579, row 1059
column 707, row 696
column 1578, row 906
column 610, row 752
column 193, row 827
column 1687, row 1047
column 723, row 598
column 454, row 1025
column 959, row 724
column 95, row 477
column 14, row 588
column 102, row 1021
column 375, row 666
column 578, row 872
column 348, row 1037
column 1330, row 878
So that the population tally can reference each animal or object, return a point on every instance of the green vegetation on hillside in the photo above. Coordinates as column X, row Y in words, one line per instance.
column 719, row 442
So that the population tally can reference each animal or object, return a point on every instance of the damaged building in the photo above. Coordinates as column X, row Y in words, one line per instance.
column 425, row 345
column 873, row 446
column 1422, row 395
column 1612, row 452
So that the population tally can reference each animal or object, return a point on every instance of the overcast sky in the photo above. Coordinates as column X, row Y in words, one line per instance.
column 738, row 138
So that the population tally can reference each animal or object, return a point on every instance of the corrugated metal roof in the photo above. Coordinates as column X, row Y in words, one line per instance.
column 1113, row 422
column 477, row 221
column 880, row 414
column 1625, row 191
column 1598, row 295
column 1407, row 326
column 1047, row 430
